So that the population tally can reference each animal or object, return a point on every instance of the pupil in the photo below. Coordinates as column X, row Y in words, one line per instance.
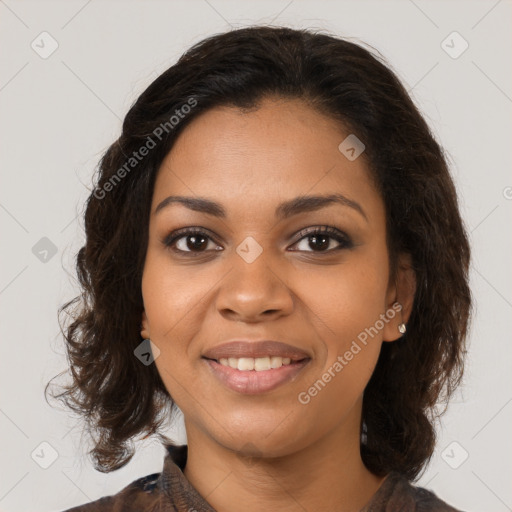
column 324, row 238
column 195, row 244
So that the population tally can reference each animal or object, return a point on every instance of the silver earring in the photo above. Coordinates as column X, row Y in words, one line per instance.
column 402, row 328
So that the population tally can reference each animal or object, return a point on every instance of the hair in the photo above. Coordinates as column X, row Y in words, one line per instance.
column 121, row 399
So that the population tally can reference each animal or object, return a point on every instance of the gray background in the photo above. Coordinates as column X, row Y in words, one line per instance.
column 58, row 115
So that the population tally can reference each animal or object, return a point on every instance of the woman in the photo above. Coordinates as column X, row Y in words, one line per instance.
column 274, row 245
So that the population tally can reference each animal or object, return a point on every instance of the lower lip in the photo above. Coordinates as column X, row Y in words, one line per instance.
column 251, row 382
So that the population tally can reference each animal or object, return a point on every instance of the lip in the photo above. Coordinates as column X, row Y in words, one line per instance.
column 255, row 349
column 252, row 382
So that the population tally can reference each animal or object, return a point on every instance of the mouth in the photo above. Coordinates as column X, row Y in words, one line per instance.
column 252, row 376
column 257, row 364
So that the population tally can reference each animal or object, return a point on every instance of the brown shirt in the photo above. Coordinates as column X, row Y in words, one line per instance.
column 170, row 491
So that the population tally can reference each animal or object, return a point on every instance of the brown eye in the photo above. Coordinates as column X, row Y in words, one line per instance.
column 321, row 240
column 192, row 241
column 189, row 240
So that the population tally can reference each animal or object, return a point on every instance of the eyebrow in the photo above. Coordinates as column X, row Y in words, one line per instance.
column 284, row 210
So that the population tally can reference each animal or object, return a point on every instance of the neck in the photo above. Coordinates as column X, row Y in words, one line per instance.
column 327, row 474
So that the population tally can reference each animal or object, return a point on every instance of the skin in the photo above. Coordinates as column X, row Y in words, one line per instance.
column 269, row 451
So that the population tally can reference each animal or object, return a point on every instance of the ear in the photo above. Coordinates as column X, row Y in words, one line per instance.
column 401, row 291
column 144, row 326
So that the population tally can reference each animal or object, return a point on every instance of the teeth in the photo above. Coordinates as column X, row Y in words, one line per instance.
column 259, row 363
column 246, row 363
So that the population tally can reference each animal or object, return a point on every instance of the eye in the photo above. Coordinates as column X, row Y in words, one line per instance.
column 322, row 239
column 189, row 240
column 194, row 241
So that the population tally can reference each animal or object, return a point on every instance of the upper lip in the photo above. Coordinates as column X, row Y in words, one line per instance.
column 255, row 349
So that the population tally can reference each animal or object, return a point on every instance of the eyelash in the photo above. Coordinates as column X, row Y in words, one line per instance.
column 334, row 233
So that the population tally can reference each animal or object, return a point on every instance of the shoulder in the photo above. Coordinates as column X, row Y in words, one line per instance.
column 427, row 501
column 140, row 495
column 397, row 493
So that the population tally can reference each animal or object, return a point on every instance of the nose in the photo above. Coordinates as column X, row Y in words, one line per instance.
column 255, row 291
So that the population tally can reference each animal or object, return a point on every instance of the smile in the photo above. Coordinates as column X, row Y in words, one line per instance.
column 258, row 364
column 253, row 376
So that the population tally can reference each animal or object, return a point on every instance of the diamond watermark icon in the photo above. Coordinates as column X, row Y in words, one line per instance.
column 454, row 45
column 44, row 455
column 351, row 147
column 147, row 352
column 454, row 455
column 44, row 45
column 44, row 250
column 249, row 249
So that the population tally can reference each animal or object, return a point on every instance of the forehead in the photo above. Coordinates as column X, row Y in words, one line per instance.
column 251, row 159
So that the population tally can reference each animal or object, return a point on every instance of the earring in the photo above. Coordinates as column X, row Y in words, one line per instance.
column 402, row 328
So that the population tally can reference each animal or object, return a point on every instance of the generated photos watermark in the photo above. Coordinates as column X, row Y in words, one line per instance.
column 304, row 397
column 150, row 143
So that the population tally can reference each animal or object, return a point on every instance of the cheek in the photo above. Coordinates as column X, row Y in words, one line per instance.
column 172, row 294
column 172, row 304
column 347, row 315
column 348, row 311
column 349, row 298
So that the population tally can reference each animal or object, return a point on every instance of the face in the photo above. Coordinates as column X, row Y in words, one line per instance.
column 262, row 271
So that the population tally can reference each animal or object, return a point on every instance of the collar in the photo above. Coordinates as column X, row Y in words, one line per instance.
column 175, row 485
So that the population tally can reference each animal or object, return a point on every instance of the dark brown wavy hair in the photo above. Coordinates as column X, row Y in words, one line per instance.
column 121, row 399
